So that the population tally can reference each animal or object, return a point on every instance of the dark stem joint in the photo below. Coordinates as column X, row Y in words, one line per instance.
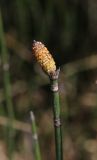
column 57, row 122
column 54, row 87
column 54, row 75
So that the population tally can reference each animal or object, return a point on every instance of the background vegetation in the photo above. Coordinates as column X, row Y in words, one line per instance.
column 69, row 29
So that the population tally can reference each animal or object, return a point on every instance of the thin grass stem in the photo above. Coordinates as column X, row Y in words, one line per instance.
column 7, row 90
column 35, row 137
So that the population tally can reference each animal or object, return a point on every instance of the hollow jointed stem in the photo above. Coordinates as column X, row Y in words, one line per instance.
column 56, row 113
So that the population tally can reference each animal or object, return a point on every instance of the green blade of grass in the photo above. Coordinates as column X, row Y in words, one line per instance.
column 7, row 89
column 35, row 137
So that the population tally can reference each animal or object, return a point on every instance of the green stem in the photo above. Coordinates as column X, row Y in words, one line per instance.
column 7, row 89
column 35, row 138
column 56, row 113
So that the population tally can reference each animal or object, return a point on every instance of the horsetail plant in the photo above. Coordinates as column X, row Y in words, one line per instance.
column 46, row 61
column 35, row 137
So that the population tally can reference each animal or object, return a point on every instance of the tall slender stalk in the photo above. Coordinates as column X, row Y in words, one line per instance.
column 46, row 61
column 7, row 89
column 35, row 138
column 56, row 113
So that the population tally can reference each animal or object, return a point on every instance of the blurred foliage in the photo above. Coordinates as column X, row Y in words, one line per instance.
column 69, row 29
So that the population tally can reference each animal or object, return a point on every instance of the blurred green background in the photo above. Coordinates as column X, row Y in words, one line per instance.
column 69, row 30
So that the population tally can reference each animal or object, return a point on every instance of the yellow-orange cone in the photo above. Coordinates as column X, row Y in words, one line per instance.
column 43, row 57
